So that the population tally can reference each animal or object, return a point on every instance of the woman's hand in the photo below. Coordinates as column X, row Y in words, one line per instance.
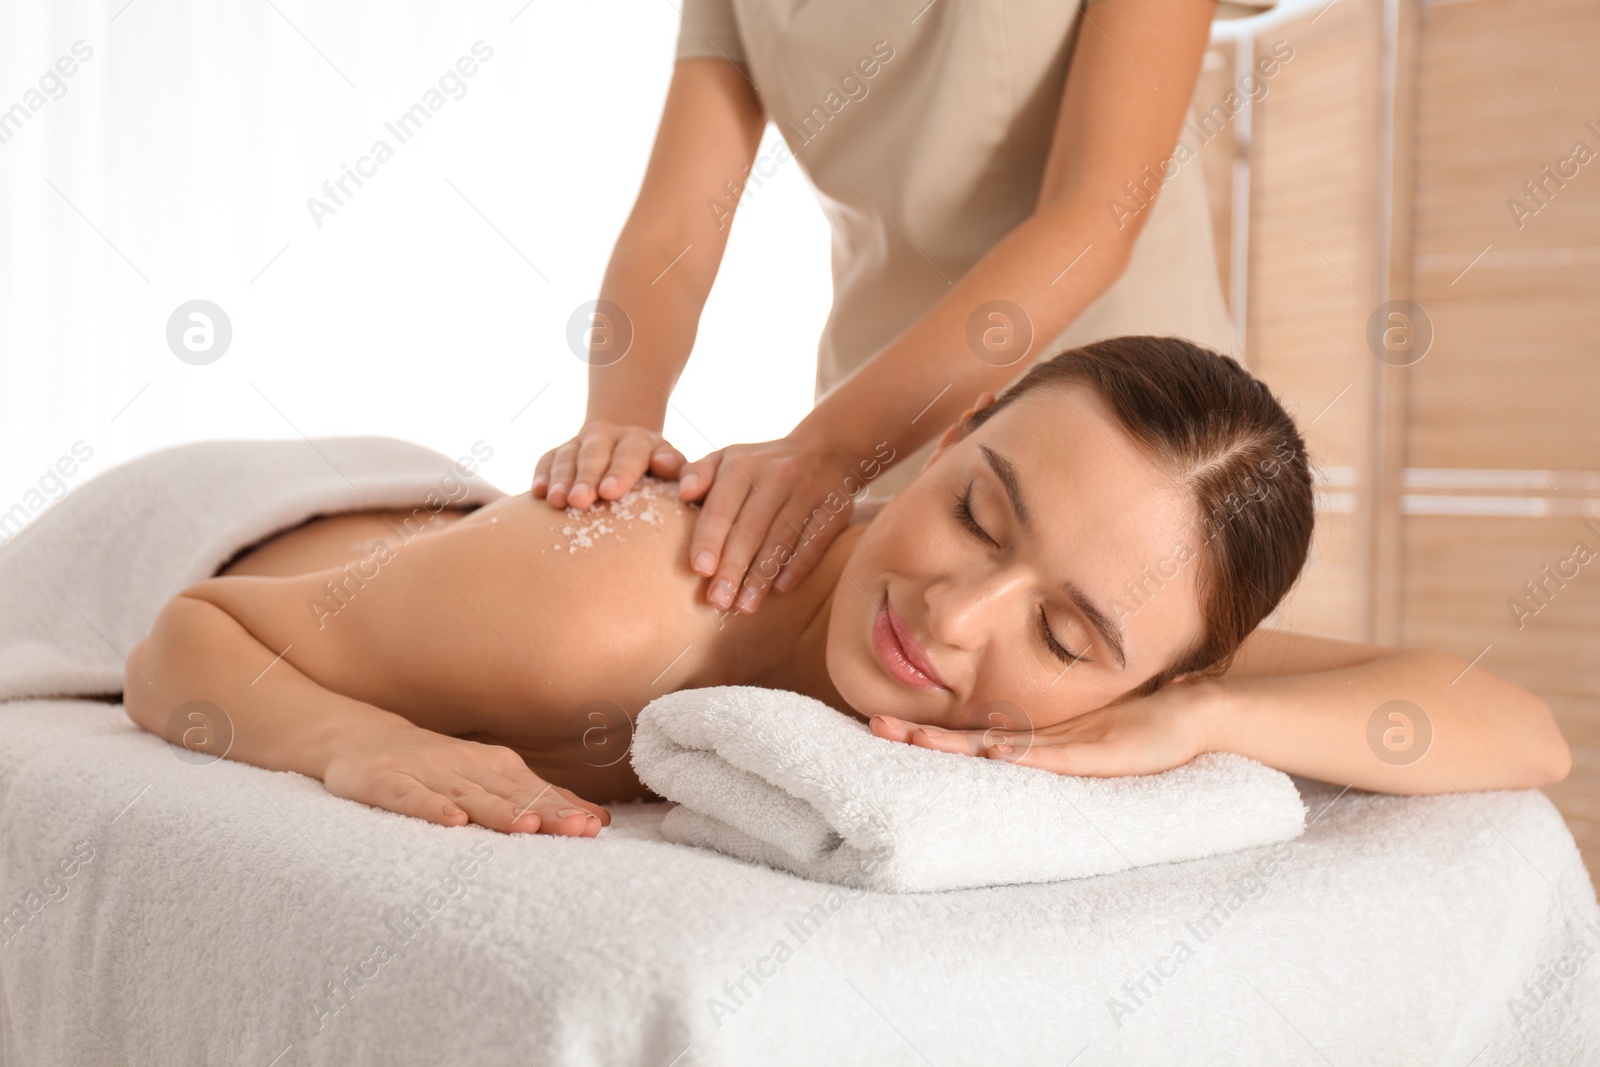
column 451, row 781
column 1145, row 735
column 604, row 459
column 758, row 500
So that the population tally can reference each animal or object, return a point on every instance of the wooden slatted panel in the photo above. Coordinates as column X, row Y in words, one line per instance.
column 1217, row 78
column 1312, row 262
column 1514, row 377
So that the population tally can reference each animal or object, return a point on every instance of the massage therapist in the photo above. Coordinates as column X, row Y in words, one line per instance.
column 990, row 171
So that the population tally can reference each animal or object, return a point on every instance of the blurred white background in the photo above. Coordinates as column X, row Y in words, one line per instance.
column 175, row 164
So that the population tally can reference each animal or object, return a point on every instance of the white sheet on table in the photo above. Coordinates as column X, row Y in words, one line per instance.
column 221, row 899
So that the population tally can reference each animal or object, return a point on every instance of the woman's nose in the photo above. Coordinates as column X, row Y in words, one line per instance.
column 963, row 608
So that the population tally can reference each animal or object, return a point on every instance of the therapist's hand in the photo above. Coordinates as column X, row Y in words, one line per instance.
column 604, row 460
column 757, row 501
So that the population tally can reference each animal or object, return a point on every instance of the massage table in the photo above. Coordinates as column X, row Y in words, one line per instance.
column 161, row 908
column 229, row 914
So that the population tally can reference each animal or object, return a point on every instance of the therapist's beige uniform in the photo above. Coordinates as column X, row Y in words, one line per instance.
column 925, row 129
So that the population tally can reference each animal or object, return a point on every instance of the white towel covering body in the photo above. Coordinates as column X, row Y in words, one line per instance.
column 82, row 583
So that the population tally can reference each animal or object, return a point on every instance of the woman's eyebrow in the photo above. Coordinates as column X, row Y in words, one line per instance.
column 1007, row 473
column 1109, row 632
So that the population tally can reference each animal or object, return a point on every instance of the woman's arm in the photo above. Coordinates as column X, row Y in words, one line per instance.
column 265, row 713
column 1133, row 72
column 662, row 269
column 1316, row 707
column 203, row 681
column 1387, row 720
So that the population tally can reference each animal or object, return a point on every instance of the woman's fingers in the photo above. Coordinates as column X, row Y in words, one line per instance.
column 541, row 473
column 667, row 462
column 727, row 530
column 602, row 462
column 561, row 811
column 724, row 490
column 824, row 525
column 629, row 460
column 1010, row 746
column 451, row 781
column 495, row 812
column 511, row 807
column 594, row 455
column 561, row 468
column 574, row 800
column 783, row 540
column 1061, row 750
column 962, row 742
column 400, row 792
column 557, row 811
column 757, row 519
column 1051, row 752
column 696, row 481
column 1023, row 749
column 758, row 501
column 890, row 728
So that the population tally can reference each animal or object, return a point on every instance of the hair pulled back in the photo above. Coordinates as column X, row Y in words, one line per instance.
column 1229, row 443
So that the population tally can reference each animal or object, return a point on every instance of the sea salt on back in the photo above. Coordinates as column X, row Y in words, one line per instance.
column 645, row 502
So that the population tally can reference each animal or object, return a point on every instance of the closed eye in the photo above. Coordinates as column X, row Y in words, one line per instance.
column 963, row 513
column 1065, row 655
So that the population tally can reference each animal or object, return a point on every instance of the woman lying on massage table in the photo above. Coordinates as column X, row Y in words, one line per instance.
column 1074, row 581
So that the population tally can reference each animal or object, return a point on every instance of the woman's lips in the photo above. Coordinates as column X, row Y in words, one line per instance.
column 898, row 651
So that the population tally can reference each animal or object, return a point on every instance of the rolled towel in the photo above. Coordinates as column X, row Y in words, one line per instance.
column 781, row 779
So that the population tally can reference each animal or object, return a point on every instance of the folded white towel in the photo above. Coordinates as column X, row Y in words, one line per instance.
column 782, row 779
column 83, row 582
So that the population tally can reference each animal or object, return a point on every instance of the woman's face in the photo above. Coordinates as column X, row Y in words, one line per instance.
column 1090, row 541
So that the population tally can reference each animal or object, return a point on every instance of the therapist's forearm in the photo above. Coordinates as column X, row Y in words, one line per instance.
column 662, row 300
column 922, row 381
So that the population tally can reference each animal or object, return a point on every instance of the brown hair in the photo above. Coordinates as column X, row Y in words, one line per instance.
column 1228, row 441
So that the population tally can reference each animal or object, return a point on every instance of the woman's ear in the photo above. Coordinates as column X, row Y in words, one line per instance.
column 958, row 429
column 984, row 400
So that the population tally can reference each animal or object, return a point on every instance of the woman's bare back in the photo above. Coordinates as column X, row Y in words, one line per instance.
column 515, row 624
